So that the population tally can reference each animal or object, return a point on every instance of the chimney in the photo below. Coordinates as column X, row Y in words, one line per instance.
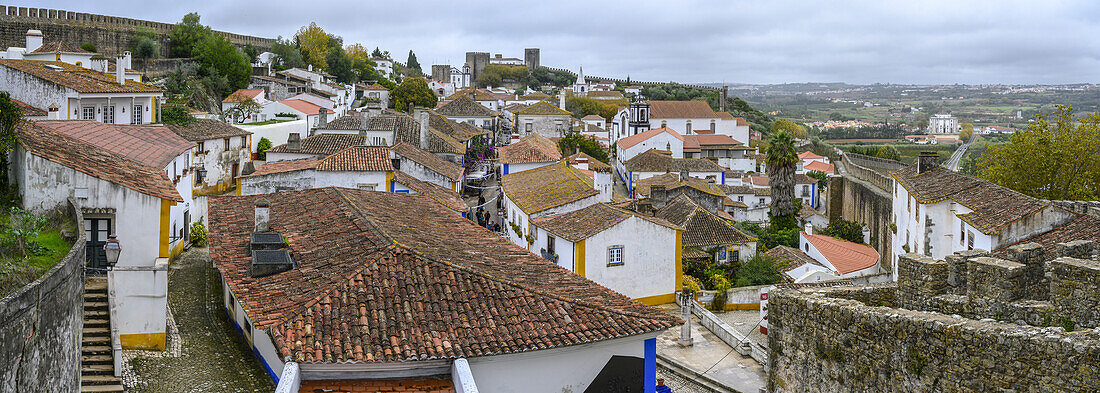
column 55, row 112
column 601, row 181
column 120, row 72
column 684, row 174
column 322, row 118
column 294, row 142
column 98, row 63
column 364, row 122
column 561, row 101
column 420, row 114
column 866, row 235
column 263, row 215
column 34, row 40
column 128, row 60
column 926, row 160
column 809, row 228
column 311, row 68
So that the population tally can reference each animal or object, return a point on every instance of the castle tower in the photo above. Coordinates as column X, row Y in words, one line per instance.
column 531, row 58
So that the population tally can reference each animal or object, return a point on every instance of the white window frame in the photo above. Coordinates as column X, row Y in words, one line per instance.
column 88, row 113
column 135, row 115
column 615, row 255
column 367, row 186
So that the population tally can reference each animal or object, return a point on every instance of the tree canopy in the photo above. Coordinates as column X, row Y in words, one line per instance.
column 583, row 106
column 1054, row 158
column 587, row 144
column 186, row 35
column 414, row 91
column 313, row 42
column 413, row 66
column 966, row 132
column 678, row 92
column 791, row 128
column 286, row 54
column 781, row 160
column 219, row 57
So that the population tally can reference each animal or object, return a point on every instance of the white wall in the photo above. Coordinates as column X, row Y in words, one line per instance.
column 522, row 166
column 309, row 179
column 568, row 369
column 649, row 258
column 277, row 133
column 210, row 158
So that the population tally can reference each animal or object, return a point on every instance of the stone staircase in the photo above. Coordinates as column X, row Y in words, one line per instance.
column 97, row 366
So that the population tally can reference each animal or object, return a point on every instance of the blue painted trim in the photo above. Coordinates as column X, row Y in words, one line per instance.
column 402, row 191
column 255, row 351
column 506, row 169
column 650, row 383
column 630, row 183
column 723, row 177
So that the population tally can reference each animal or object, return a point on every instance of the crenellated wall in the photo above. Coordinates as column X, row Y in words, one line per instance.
column 110, row 34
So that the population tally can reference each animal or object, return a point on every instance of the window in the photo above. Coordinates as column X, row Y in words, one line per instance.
column 200, row 148
column 558, row 126
column 663, row 123
column 615, row 256
column 807, row 247
column 761, row 201
column 527, row 127
column 970, row 241
column 734, row 256
column 135, row 116
column 487, row 124
column 366, row 186
column 226, row 144
column 740, row 198
column 962, row 231
column 470, row 122
column 550, row 245
column 916, row 210
column 88, row 113
column 687, row 127
column 805, row 190
column 109, row 114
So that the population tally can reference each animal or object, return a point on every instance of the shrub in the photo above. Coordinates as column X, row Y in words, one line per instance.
column 198, row 235
column 23, row 227
column 88, row 47
column 760, row 270
column 721, row 284
column 262, row 147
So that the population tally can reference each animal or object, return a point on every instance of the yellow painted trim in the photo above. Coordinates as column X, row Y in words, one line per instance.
column 148, row 341
column 238, row 186
column 657, row 299
column 742, row 306
column 578, row 258
column 165, row 219
column 389, row 182
column 679, row 260
column 180, row 245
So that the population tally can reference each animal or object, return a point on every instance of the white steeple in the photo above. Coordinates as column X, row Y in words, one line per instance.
column 580, row 76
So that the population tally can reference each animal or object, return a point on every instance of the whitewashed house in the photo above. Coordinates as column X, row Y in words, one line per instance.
column 80, row 93
column 329, row 272
column 656, row 162
column 631, row 253
column 361, row 167
column 130, row 182
column 544, row 119
column 547, row 191
column 530, row 152
column 664, row 139
column 837, row 257
column 696, row 117
column 219, row 156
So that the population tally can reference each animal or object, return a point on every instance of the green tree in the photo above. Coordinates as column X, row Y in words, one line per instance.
column 89, row 47
column 251, row 52
column 313, row 42
column 186, row 35
column 790, row 127
column 966, row 132
column 413, row 66
column 1054, row 158
column 10, row 117
column 377, row 53
column 781, row 160
column 341, row 66
column 175, row 113
column 584, row 106
column 760, row 270
column 216, row 54
column 489, row 79
column 888, row 152
column 821, row 177
column 145, row 48
column 845, row 230
column 413, row 91
column 262, row 147
column 573, row 140
column 286, row 54
column 922, row 124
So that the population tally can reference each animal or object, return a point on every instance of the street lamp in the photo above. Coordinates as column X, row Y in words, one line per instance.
column 112, row 248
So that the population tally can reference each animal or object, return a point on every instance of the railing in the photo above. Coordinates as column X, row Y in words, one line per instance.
column 735, row 339
column 116, row 345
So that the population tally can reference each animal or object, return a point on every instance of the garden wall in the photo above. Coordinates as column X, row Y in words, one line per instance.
column 40, row 327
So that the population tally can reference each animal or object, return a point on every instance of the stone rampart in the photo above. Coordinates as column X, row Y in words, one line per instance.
column 40, row 327
column 945, row 328
column 853, row 198
column 110, row 34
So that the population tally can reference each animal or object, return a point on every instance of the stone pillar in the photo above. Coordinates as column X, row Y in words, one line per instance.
column 687, row 301
column 1075, row 291
column 993, row 283
column 1032, row 256
column 920, row 279
column 956, row 269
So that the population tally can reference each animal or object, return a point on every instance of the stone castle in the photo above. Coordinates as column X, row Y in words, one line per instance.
column 973, row 322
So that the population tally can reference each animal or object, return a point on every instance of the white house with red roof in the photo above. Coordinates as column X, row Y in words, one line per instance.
column 807, row 158
column 696, row 117
column 659, row 138
column 301, row 109
column 838, row 257
column 818, row 166
column 242, row 95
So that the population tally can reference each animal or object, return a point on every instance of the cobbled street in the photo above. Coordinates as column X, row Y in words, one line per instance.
column 212, row 357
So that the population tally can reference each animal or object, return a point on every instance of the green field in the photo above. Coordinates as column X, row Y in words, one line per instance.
column 909, row 151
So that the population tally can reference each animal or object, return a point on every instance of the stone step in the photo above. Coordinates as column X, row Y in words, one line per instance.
column 95, row 314
column 101, row 388
column 96, row 322
column 97, row 359
column 98, row 379
column 91, row 331
column 93, row 296
column 97, row 369
column 95, row 305
column 91, row 340
column 93, row 349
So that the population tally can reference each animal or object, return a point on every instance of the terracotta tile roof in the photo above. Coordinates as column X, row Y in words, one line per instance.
column 635, row 139
column 794, row 258
column 802, row 178
column 459, row 131
column 376, row 86
column 593, row 117
column 729, row 190
column 672, row 181
column 427, row 159
column 655, row 161
column 766, row 191
column 543, row 108
column 758, row 180
column 438, row 384
column 584, row 223
column 531, row 148
column 820, row 167
column 593, row 163
column 376, row 280
column 463, row 106
column 285, row 166
column 345, row 123
column 992, row 207
column 538, row 95
column 358, row 158
column 1084, row 227
column 546, row 187
column 844, row 255
column 701, row 227
column 78, row 78
column 724, row 115
column 680, row 110
column 28, row 110
column 243, row 94
column 711, row 141
column 303, row 106
column 45, row 142
column 808, row 155
column 323, row 144
column 807, row 212
column 515, row 107
column 59, row 47
column 207, row 129
column 151, row 144
column 444, row 196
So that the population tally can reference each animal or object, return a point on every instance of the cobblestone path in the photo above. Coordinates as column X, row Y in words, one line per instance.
column 212, row 357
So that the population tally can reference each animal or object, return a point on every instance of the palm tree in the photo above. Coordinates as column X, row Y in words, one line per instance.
column 781, row 161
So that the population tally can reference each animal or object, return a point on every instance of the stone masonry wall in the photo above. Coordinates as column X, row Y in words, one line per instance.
column 40, row 327
column 969, row 323
column 110, row 34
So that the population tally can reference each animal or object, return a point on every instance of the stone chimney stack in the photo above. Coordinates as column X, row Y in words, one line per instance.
column 34, row 40
column 120, row 71
column 926, row 160
column 809, row 229
column 263, row 215
column 866, row 235
column 322, row 118
column 98, row 63
column 128, row 60
column 294, row 142
column 684, row 174
column 420, row 114
column 364, row 122
column 561, row 101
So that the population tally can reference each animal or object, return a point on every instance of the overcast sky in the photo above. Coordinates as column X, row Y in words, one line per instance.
column 760, row 41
